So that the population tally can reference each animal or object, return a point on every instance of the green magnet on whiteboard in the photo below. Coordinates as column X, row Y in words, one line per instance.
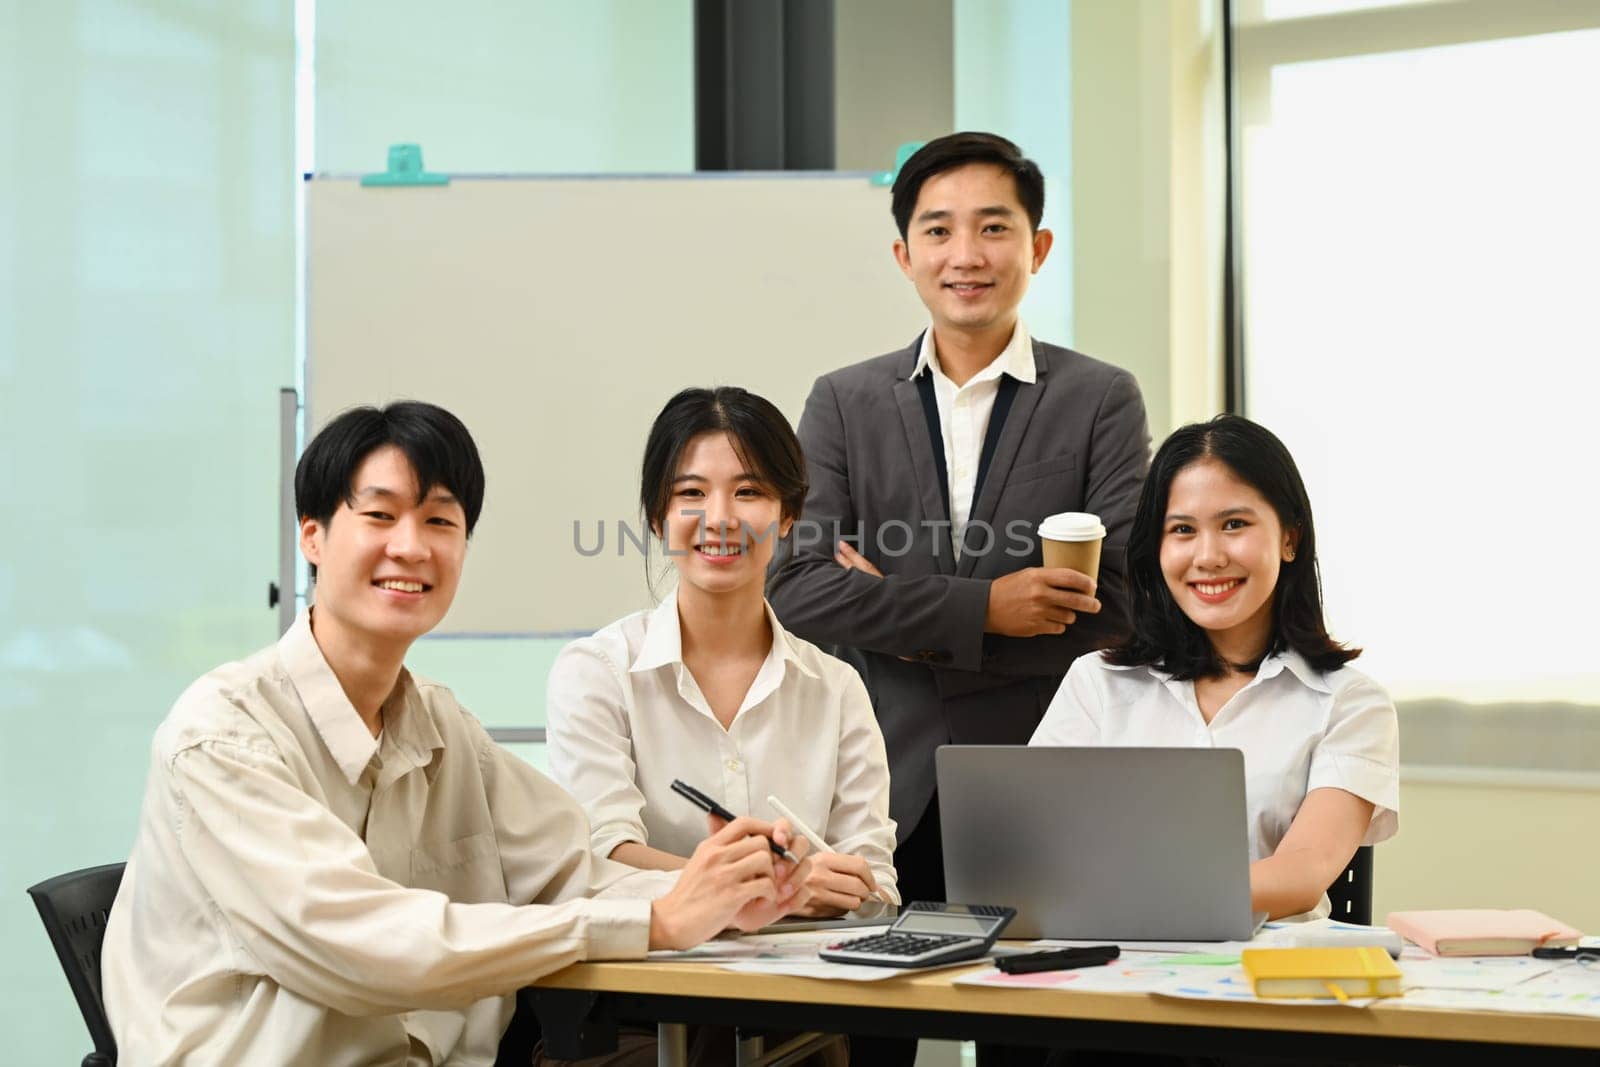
column 405, row 168
column 905, row 152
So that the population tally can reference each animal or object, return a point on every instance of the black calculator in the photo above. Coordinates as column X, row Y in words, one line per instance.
column 926, row 934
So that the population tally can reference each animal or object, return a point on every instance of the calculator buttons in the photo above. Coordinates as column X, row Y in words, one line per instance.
column 901, row 947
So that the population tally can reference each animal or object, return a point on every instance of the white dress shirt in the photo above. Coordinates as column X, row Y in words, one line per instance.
column 964, row 412
column 1299, row 729
column 624, row 717
column 300, row 893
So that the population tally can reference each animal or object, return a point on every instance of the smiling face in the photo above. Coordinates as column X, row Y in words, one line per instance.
column 1222, row 545
column 722, row 521
column 387, row 566
column 969, row 249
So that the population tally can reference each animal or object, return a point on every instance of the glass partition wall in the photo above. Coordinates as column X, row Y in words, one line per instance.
column 146, row 324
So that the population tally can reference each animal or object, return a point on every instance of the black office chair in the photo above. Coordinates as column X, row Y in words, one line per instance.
column 1351, row 893
column 74, row 908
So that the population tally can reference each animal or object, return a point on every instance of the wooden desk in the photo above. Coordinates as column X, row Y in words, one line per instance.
column 578, row 1008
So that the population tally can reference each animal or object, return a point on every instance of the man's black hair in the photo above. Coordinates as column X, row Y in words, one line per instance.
column 436, row 443
column 958, row 150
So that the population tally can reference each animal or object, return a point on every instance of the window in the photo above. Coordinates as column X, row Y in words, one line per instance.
column 1421, row 254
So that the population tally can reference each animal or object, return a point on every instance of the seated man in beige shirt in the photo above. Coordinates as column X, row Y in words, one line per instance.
column 334, row 863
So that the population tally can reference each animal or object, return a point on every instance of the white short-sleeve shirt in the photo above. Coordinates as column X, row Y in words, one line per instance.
column 624, row 717
column 1299, row 729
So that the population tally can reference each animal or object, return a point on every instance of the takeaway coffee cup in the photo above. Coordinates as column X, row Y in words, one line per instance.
column 1072, row 539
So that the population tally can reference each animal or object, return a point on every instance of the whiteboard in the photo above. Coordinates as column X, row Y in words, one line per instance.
column 556, row 315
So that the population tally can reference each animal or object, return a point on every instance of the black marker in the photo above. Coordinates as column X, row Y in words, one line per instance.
column 706, row 804
column 1058, row 959
column 1576, row 952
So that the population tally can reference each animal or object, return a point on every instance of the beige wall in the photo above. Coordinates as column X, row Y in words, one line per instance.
column 1121, row 163
column 1473, row 843
column 1196, row 194
column 1146, row 198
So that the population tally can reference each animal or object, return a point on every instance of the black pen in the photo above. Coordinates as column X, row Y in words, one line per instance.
column 1576, row 952
column 706, row 804
column 1058, row 959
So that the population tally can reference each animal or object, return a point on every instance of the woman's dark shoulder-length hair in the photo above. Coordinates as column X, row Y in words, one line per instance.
column 760, row 434
column 758, row 431
column 1163, row 636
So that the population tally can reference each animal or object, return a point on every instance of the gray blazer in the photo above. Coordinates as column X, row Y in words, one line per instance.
column 1074, row 440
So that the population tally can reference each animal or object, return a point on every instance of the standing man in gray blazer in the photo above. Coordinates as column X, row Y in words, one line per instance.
column 930, row 468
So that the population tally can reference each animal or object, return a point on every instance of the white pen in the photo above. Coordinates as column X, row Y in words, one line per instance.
column 812, row 836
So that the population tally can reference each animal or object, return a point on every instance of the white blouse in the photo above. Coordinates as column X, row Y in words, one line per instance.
column 625, row 717
column 1299, row 729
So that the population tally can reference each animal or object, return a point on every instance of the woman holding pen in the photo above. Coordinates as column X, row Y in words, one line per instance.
column 1230, row 650
column 708, row 687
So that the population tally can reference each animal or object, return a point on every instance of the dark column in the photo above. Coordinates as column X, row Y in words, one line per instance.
column 764, row 96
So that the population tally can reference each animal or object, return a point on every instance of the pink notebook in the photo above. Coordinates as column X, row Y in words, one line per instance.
column 1482, row 931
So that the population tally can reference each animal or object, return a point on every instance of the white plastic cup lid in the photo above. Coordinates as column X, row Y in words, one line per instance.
column 1072, row 526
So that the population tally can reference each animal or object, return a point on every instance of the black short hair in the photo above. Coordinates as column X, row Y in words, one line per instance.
column 1163, row 636
column 957, row 150
column 436, row 443
column 760, row 434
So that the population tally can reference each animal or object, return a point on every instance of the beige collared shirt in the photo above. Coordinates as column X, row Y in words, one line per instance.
column 964, row 412
column 300, row 893
column 625, row 717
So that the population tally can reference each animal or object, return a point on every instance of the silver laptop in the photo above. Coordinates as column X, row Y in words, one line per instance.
column 1119, row 844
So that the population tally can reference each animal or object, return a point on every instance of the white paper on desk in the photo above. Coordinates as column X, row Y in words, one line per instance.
column 1492, row 973
column 798, row 945
column 793, row 954
column 1145, row 972
column 1271, row 935
column 1132, row 972
column 846, row 972
column 1209, row 948
column 1566, row 989
column 815, row 968
column 1232, row 984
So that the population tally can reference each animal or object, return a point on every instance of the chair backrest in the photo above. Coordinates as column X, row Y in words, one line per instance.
column 1351, row 893
column 74, row 908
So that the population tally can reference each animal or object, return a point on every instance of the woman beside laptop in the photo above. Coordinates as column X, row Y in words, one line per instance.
column 1229, row 650
column 708, row 687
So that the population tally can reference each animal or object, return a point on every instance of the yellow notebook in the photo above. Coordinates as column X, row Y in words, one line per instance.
column 1321, row 972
